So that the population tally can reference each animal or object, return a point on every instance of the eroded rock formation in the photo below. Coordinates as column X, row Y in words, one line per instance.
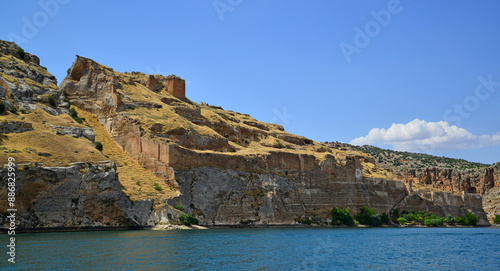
column 290, row 195
column 26, row 85
column 472, row 181
column 475, row 181
column 77, row 196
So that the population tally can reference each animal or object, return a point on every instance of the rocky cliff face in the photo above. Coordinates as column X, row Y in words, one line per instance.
column 26, row 85
column 476, row 181
column 453, row 180
column 78, row 196
column 439, row 173
column 230, row 197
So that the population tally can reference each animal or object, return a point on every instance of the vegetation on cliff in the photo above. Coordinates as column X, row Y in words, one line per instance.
column 367, row 216
column 398, row 160
column 341, row 217
column 188, row 219
column 496, row 220
column 432, row 220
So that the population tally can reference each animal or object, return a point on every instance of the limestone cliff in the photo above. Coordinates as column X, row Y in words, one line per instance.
column 78, row 196
column 435, row 173
column 471, row 181
column 476, row 181
column 230, row 197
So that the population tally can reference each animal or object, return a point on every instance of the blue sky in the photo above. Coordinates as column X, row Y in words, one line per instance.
column 408, row 75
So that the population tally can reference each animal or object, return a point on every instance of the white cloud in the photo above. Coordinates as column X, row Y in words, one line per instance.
column 421, row 136
column 489, row 140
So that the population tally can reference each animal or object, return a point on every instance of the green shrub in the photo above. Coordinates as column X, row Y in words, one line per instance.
column 375, row 220
column 402, row 220
column 433, row 221
column 223, row 116
column 468, row 220
column 52, row 100
column 384, row 217
column 450, row 219
column 306, row 221
column 157, row 187
column 65, row 93
column 21, row 53
column 418, row 219
column 409, row 217
column 278, row 144
column 74, row 115
column 394, row 215
column 13, row 110
column 367, row 216
column 496, row 220
column 2, row 107
column 188, row 219
column 179, row 207
column 98, row 145
column 341, row 217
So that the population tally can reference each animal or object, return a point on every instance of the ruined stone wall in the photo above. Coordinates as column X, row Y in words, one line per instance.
column 176, row 86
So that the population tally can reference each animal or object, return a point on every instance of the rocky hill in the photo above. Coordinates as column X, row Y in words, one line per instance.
column 401, row 160
column 111, row 149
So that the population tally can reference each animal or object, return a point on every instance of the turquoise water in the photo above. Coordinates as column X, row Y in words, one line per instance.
column 261, row 249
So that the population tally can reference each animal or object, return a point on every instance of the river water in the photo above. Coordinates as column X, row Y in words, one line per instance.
column 261, row 249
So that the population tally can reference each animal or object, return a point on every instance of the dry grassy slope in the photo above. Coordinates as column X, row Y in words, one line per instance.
column 269, row 137
column 64, row 149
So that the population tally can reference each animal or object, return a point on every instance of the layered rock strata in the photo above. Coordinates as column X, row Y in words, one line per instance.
column 79, row 196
